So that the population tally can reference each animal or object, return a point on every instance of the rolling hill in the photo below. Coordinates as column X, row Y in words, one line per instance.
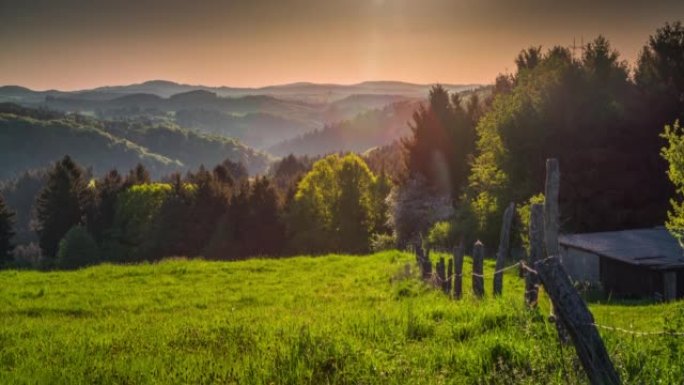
column 367, row 130
column 34, row 139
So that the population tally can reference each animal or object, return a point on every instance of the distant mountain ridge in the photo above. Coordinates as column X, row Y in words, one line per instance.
column 302, row 117
column 165, row 89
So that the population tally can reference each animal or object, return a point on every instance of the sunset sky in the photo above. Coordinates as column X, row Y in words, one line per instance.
column 76, row 44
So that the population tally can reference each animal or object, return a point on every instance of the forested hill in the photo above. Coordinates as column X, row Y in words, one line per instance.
column 367, row 130
column 31, row 138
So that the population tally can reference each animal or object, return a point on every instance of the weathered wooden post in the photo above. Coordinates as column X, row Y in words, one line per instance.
column 576, row 317
column 552, row 224
column 458, row 271
column 536, row 237
column 441, row 273
column 450, row 275
column 478, row 269
column 504, row 243
column 551, row 209
column 428, row 265
column 424, row 263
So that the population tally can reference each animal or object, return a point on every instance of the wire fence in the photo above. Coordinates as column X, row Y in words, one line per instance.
column 522, row 264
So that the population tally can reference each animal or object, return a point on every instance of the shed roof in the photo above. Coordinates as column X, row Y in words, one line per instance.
column 653, row 248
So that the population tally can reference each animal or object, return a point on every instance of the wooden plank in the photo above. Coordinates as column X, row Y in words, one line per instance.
column 670, row 285
column 504, row 244
column 578, row 321
column 478, row 269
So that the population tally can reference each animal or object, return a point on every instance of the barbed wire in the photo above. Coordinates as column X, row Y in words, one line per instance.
column 637, row 332
column 521, row 264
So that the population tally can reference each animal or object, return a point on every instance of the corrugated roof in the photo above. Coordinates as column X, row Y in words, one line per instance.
column 654, row 248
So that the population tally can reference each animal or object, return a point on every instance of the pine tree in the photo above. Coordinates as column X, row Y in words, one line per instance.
column 137, row 175
column 61, row 204
column 6, row 232
column 103, row 209
column 266, row 232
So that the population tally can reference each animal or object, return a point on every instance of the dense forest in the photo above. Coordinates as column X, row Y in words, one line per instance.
column 462, row 159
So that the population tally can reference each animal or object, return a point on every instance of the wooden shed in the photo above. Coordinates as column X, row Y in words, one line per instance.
column 630, row 263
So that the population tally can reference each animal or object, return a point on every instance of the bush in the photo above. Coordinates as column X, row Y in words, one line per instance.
column 442, row 235
column 382, row 242
column 77, row 249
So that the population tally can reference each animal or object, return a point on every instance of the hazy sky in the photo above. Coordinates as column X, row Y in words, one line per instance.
column 74, row 44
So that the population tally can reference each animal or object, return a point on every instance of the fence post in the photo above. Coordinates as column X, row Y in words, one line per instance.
column 424, row 263
column 578, row 321
column 551, row 225
column 450, row 275
column 478, row 269
column 458, row 272
column 502, row 253
column 441, row 273
column 536, row 237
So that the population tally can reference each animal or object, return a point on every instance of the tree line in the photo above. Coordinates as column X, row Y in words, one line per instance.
column 333, row 204
column 601, row 117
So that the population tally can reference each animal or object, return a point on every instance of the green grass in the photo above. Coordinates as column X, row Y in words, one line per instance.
column 333, row 319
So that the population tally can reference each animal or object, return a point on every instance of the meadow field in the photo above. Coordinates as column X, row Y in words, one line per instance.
column 307, row 320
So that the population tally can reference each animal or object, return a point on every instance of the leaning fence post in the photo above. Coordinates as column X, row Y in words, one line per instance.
column 578, row 321
column 503, row 248
column 536, row 237
column 478, row 269
column 458, row 271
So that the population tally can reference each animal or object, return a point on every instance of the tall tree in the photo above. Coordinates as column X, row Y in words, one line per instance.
column 61, row 205
column 332, row 209
column 442, row 140
column 674, row 154
column 660, row 74
column 137, row 175
column 265, row 231
column 103, row 210
column 6, row 232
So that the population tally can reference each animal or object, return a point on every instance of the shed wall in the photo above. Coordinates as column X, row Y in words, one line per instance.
column 581, row 265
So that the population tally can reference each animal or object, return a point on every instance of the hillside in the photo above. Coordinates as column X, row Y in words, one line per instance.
column 256, row 129
column 334, row 319
column 366, row 130
column 35, row 138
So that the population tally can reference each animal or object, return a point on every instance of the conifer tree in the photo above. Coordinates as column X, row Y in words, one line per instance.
column 6, row 232
column 61, row 204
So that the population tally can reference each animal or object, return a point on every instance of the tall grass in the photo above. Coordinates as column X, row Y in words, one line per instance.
column 326, row 320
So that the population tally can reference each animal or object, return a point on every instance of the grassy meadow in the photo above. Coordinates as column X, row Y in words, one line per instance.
column 325, row 320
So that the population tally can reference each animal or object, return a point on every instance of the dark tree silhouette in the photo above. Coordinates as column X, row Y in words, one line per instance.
column 61, row 205
column 6, row 232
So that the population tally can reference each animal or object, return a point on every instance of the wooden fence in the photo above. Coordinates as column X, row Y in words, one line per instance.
column 541, row 268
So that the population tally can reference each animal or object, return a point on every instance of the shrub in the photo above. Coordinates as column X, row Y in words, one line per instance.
column 441, row 235
column 77, row 249
column 382, row 242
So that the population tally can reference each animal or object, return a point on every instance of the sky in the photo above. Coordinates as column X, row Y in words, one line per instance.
column 79, row 44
